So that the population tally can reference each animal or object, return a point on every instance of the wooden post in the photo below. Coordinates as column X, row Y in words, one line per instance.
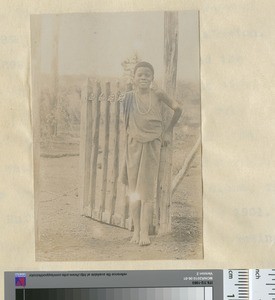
column 165, row 170
column 35, row 70
column 106, row 148
column 55, row 75
column 170, row 51
column 95, row 143
column 185, row 166
column 116, row 219
column 128, row 221
column 87, row 99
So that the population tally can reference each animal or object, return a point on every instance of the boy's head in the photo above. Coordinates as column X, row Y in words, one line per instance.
column 143, row 75
column 144, row 64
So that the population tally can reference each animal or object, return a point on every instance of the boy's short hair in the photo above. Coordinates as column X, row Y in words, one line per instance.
column 144, row 64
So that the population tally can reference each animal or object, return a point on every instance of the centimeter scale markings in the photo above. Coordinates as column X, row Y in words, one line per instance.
column 236, row 284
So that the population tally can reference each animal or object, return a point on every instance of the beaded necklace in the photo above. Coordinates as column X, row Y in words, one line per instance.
column 138, row 99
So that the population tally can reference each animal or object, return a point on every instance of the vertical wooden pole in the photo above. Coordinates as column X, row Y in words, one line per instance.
column 55, row 75
column 170, row 51
column 128, row 221
column 165, row 170
column 116, row 147
column 95, row 144
column 87, row 99
column 35, row 70
column 115, row 172
column 106, row 148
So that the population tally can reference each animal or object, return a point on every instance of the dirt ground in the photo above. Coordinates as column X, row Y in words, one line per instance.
column 65, row 235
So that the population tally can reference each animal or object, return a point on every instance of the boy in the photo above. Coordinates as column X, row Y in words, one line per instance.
column 145, row 135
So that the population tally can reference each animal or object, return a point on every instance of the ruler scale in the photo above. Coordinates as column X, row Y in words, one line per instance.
column 236, row 284
column 262, row 285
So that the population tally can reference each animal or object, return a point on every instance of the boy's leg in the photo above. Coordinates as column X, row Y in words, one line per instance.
column 148, row 174
column 135, row 212
column 145, row 220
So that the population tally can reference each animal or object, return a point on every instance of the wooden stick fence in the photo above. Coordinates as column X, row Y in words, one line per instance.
column 102, row 196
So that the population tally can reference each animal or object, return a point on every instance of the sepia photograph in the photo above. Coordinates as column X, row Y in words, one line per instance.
column 116, row 111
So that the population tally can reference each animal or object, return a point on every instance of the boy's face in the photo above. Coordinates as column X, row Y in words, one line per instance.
column 143, row 78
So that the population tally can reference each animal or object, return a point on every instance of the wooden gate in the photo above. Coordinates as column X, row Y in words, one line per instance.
column 103, row 196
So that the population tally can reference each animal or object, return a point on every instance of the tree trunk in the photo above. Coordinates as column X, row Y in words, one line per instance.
column 164, row 192
column 55, row 75
column 36, row 63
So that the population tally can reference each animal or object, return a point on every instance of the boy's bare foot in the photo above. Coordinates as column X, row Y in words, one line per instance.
column 144, row 240
column 135, row 238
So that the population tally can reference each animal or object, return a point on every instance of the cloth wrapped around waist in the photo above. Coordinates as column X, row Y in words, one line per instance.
column 140, row 171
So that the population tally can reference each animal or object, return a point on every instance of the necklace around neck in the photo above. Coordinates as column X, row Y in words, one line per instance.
column 138, row 99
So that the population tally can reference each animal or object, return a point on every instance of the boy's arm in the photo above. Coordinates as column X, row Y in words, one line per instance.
column 173, row 105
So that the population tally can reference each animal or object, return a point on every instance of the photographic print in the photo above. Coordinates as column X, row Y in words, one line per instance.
column 117, row 136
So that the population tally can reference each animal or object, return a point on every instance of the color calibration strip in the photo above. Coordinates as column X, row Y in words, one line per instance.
column 227, row 284
column 171, row 293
